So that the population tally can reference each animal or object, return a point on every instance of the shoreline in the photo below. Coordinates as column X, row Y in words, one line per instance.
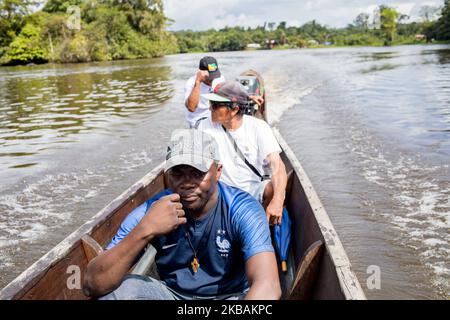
column 31, row 64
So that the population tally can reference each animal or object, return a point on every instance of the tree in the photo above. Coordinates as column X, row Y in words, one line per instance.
column 60, row 5
column 27, row 46
column 362, row 21
column 442, row 27
column 428, row 13
column 389, row 23
column 139, row 4
column 282, row 25
column 12, row 18
column 110, row 29
column 402, row 17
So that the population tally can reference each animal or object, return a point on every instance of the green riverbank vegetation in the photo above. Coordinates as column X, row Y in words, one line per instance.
column 83, row 30
column 386, row 27
column 66, row 31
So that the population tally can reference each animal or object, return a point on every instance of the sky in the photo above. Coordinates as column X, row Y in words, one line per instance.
column 206, row 14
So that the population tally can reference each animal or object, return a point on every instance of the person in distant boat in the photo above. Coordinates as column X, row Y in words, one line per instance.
column 212, row 240
column 247, row 147
column 208, row 75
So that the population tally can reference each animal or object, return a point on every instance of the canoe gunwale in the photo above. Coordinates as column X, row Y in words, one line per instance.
column 348, row 281
column 31, row 276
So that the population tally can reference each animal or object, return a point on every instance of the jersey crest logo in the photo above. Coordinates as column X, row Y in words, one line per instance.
column 222, row 243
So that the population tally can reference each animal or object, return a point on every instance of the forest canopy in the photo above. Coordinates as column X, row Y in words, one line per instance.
column 83, row 30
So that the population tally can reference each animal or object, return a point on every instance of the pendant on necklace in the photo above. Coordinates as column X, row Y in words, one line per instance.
column 195, row 265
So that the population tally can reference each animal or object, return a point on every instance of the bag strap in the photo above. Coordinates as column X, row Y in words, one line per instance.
column 197, row 123
column 241, row 155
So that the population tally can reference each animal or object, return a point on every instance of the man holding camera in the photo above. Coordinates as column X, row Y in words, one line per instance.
column 208, row 75
column 247, row 146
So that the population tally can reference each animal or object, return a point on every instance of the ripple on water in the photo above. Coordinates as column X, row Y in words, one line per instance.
column 422, row 206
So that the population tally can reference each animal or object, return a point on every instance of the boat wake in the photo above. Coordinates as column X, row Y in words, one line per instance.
column 420, row 204
column 282, row 95
column 47, row 210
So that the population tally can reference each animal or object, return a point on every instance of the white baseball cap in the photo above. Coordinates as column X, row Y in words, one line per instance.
column 192, row 147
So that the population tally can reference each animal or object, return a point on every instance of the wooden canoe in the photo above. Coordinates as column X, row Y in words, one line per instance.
column 318, row 267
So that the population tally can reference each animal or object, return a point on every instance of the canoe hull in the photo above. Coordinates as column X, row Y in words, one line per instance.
column 54, row 276
column 58, row 274
column 310, row 223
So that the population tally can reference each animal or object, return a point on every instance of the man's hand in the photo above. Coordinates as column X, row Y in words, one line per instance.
column 274, row 209
column 193, row 99
column 164, row 216
column 274, row 212
column 259, row 100
column 202, row 76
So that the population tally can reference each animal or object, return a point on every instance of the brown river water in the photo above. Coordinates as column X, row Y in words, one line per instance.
column 371, row 126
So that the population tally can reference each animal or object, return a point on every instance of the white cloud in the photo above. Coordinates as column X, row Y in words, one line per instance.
column 205, row 14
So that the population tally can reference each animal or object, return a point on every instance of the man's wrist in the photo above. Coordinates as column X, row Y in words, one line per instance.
column 278, row 199
column 144, row 234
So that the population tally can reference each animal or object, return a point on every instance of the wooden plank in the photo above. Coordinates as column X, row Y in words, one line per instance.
column 144, row 264
column 305, row 229
column 349, row 284
column 91, row 247
column 289, row 179
column 307, row 272
column 62, row 280
column 328, row 286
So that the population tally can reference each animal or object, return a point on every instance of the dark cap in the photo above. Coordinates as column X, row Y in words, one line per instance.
column 210, row 64
column 228, row 91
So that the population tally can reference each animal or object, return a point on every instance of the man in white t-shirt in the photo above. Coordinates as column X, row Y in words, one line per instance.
column 197, row 107
column 247, row 146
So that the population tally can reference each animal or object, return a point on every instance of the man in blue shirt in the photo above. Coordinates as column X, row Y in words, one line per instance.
column 212, row 240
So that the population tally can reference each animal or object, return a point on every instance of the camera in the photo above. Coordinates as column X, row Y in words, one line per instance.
column 251, row 84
